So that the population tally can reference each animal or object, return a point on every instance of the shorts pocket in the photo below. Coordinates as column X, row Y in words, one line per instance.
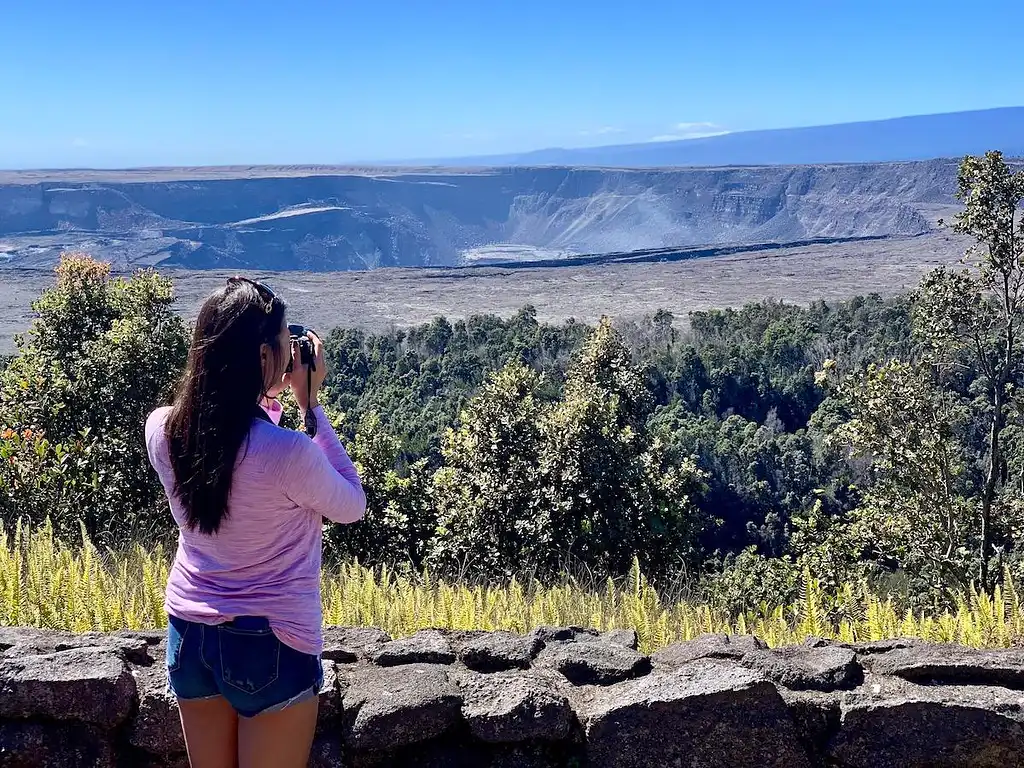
column 176, row 634
column 250, row 660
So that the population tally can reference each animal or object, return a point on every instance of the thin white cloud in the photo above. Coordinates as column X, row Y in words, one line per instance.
column 606, row 130
column 78, row 142
column 695, row 127
column 683, row 131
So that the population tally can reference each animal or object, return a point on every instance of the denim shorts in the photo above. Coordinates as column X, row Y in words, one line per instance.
column 241, row 660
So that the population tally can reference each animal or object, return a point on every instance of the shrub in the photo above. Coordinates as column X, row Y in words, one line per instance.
column 492, row 522
column 101, row 353
column 399, row 519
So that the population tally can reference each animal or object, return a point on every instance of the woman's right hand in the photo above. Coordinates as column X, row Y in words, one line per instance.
column 306, row 384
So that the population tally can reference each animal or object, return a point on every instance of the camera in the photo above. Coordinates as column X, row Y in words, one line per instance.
column 307, row 357
column 300, row 334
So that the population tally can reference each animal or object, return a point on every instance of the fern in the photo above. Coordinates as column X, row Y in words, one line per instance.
column 46, row 583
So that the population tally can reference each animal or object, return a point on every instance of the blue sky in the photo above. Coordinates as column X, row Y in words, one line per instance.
column 112, row 83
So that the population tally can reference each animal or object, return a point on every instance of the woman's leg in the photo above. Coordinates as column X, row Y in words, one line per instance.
column 209, row 722
column 211, row 732
column 279, row 739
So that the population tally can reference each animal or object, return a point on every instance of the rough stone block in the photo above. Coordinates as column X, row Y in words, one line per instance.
column 593, row 662
column 930, row 727
column 563, row 634
column 707, row 714
column 626, row 637
column 515, row 707
column 133, row 648
column 347, row 645
column 425, row 647
column 803, row 668
column 816, row 719
column 949, row 664
column 156, row 726
column 497, row 651
column 33, row 639
column 54, row 745
column 388, row 707
column 87, row 685
column 710, row 646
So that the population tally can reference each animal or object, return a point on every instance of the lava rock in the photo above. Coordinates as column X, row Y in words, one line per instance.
column 592, row 662
column 876, row 647
column 706, row 713
column 498, row 651
column 87, row 685
column 329, row 713
column 952, row 665
column 803, row 668
column 347, row 645
column 425, row 647
column 709, row 646
column 134, row 649
column 626, row 637
column 54, row 745
column 326, row 753
column 563, row 634
column 514, row 707
column 816, row 719
column 30, row 641
column 930, row 727
column 156, row 726
column 385, row 708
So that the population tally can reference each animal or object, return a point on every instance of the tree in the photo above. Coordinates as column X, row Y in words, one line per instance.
column 932, row 508
column 101, row 353
column 399, row 516
column 615, row 489
column 973, row 317
column 492, row 520
column 917, row 514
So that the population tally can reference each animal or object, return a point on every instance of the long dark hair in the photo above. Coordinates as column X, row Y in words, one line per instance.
column 218, row 395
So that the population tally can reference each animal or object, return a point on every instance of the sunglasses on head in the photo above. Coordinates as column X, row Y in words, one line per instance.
column 263, row 290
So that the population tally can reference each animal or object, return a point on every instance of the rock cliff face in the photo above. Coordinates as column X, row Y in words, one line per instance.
column 555, row 697
column 355, row 220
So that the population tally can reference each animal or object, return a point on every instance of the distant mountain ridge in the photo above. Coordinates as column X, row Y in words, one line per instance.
column 918, row 137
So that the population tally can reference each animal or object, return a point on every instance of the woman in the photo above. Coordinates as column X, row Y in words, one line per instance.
column 249, row 498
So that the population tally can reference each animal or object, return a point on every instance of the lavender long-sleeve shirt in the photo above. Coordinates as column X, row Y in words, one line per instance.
column 265, row 558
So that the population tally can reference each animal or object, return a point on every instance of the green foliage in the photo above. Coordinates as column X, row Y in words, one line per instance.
column 493, row 520
column 750, row 582
column 615, row 489
column 933, row 508
column 418, row 380
column 918, row 512
column 400, row 516
column 872, row 441
column 101, row 353
column 47, row 583
column 529, row 485
column 39, row 478
column 822, row 542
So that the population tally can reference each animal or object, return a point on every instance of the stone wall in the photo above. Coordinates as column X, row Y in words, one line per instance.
column 555, row 697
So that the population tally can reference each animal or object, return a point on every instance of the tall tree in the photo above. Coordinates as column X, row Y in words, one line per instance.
column 917, row 512
column 491, row 520
column 615, row 489
column 972, row 318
